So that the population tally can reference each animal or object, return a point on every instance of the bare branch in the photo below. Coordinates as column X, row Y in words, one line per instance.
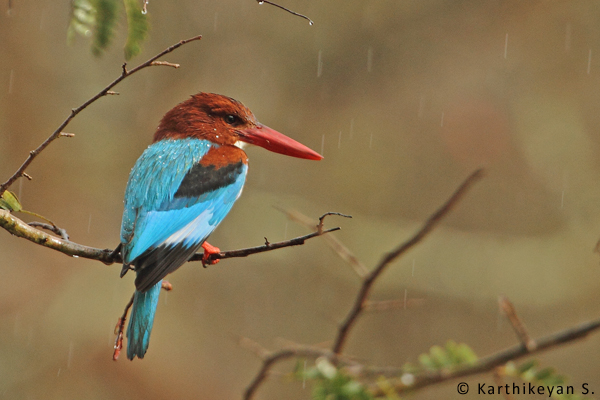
column 310, row 21
column 124, row 74
column 509, row 310
column 431, row 223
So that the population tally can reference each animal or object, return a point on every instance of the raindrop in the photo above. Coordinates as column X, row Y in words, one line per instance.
column 413, row 268
column 20, row 192
column 89, row 223
column 568, row 37
column 370, row 59
column 215, row 22
column 58, row 373
column 304, row 376
column 320, row 64
column 405, row 297
column 75, row 256
column 10, row 81
column 505, row 45
column 17, row 324
column 442, row 121
column 323, row 145
column 589, row 62
column 285, row 231
column 340, row 140
column 421, row 107
column 261, row 3
column 311, row 23
column 70, row 356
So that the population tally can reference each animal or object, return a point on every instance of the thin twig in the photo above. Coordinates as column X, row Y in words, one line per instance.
column 260, row 249
column 119, row 328
column 367, row 283
column 166, row 64
column 52, row 228
column 487, row 364
column 272, row 358
column 310, row 21
column 509, row 310
column 21, row 229
column 124, row 74
column 333, row 242
column 322, row 219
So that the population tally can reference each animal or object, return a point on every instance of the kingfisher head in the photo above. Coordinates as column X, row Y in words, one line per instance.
column 225, row 121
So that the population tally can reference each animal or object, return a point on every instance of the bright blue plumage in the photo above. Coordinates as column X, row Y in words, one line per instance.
column 169, row 213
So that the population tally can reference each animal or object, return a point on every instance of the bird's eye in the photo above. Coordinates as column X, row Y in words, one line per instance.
column 232, row 119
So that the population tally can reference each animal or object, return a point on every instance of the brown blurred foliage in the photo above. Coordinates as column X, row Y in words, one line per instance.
column 410, row 96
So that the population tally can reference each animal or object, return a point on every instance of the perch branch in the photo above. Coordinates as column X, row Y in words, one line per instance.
column 23, row 230
column 107, row 90
column 368, row 281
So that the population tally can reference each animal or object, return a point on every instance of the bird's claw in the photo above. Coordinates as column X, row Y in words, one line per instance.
column 208, row 251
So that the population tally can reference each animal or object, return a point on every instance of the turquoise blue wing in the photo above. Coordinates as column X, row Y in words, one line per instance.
column 172, row 206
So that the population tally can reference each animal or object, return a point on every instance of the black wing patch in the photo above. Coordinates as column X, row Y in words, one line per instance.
column 156, row 263
column 206, row 178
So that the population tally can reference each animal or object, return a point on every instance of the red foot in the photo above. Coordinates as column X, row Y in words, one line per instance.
column 208, row 250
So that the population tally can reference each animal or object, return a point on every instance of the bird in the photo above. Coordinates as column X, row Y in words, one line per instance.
column 180, row 189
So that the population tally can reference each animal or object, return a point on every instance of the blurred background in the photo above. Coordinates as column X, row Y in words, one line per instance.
column 403, row 98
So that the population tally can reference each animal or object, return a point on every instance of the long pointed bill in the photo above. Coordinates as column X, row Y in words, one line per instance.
column 274, row 141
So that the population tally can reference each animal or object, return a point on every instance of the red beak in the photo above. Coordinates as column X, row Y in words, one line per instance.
column 276, row 142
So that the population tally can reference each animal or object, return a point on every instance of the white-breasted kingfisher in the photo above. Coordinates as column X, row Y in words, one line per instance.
column 181, row 188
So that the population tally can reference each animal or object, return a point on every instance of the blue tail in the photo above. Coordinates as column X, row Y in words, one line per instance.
column 142, row 318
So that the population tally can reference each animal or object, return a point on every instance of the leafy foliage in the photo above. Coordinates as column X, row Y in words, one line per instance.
column 10, row 202
column 531, row 372
column 137, row 28
column 105, row 23
column 450, row 356
column 332, row 383
column 98, row 19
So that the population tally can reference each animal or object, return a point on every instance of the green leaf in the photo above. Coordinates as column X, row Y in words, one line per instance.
column 82, row 20
column 10, row 202
column 137, row 28
column 106, row 20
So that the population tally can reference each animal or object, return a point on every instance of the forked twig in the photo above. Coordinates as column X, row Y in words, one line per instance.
column 107, row 90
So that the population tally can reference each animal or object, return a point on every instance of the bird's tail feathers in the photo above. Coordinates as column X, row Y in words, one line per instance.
column 142, row 318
